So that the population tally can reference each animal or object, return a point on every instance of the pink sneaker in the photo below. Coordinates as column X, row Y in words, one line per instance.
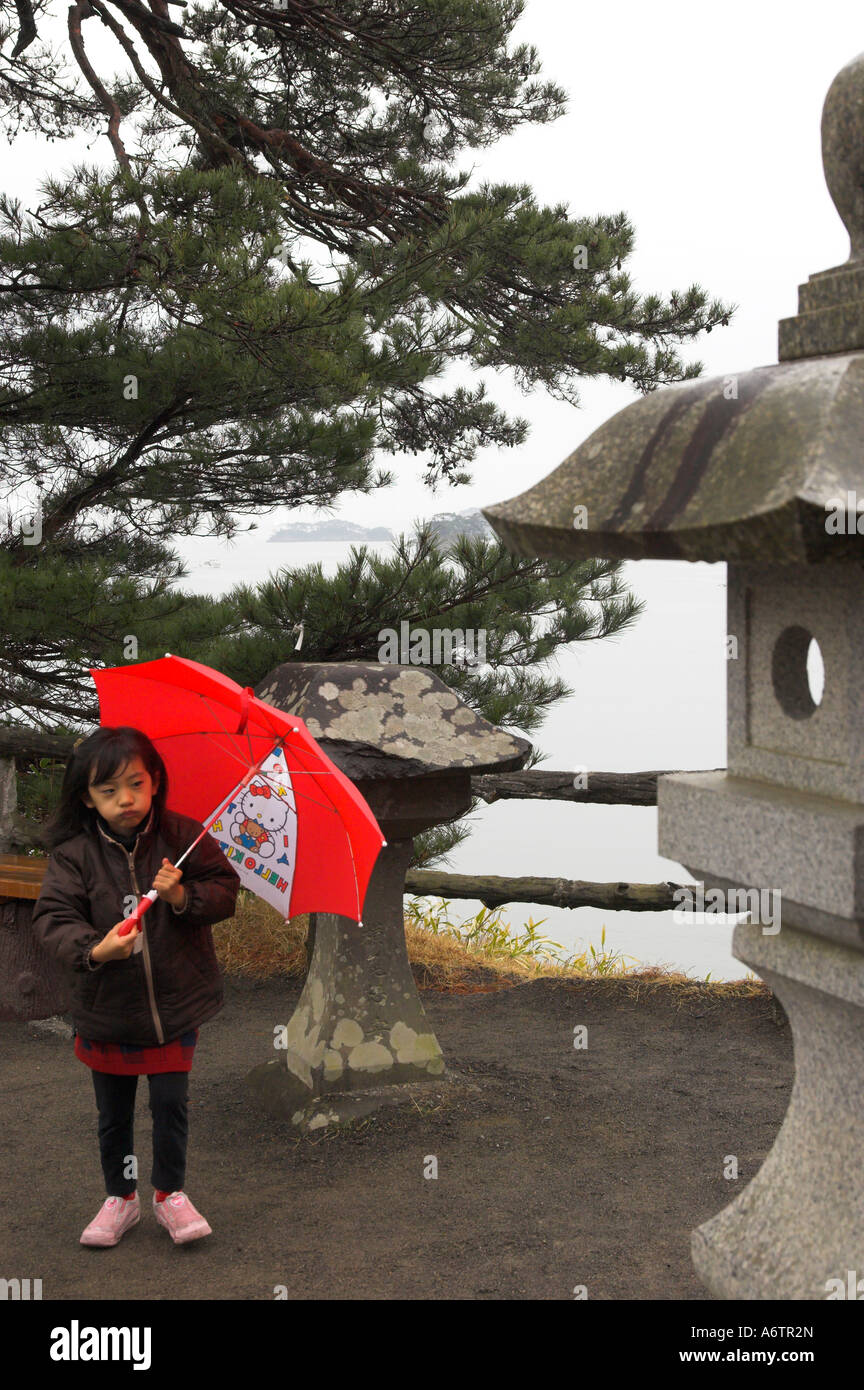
column 180, row 1219
column 114, row 1218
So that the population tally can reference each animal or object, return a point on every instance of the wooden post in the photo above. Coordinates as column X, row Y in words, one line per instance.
column 8, row 802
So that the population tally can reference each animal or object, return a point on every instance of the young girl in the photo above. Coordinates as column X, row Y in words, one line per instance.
column 137, row 1000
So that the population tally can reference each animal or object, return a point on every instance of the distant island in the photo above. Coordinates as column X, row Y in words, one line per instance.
column 448, row 525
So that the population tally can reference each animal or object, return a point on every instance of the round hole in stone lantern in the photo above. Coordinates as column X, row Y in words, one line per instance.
column 749, row 476
column 815, row 672
column 359, row 1037
column 791, row 674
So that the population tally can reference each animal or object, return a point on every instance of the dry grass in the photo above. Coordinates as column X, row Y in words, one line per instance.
column 477, row 955
column 257, row 943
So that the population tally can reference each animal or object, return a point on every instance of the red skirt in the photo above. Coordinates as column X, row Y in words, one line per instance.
column 124, row 1059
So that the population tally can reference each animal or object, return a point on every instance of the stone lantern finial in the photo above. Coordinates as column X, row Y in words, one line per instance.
column 742, row 467
column 843, row 150
column 830, row 314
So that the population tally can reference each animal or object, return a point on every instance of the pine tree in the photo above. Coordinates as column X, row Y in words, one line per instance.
column 353, row 114
column 498, row 616
column 174, row 357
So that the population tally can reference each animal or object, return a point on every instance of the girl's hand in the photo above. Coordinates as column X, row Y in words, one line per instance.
column 168, row 886
column 114, row 947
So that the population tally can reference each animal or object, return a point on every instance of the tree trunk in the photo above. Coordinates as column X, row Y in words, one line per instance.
column 8, row 802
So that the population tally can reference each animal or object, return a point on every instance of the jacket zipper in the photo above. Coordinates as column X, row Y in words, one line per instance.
column 146, row 953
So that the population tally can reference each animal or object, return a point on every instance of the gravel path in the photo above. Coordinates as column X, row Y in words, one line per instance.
column 569, row 1167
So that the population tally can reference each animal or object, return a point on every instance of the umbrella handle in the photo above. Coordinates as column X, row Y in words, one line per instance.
column 135, row 917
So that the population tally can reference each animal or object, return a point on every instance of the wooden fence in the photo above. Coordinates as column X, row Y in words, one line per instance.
column 605, row 788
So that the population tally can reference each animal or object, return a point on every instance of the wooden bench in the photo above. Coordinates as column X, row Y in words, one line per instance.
column 21, row 875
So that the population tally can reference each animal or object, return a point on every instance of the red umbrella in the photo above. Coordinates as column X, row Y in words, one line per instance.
column 294, row 827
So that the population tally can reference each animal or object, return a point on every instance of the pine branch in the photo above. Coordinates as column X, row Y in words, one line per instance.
column 81, row 10
column 27, row 30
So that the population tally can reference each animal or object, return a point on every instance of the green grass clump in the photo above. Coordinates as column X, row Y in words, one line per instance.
column 491, row 940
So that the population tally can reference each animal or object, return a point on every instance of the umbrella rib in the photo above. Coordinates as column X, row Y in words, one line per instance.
column 348, row 838
column 226, row 802
column 278, row 738
column 227, row 732
column 311, row 773
column 304, row 772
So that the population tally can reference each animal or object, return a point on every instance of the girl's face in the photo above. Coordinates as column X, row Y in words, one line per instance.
column 123, row 800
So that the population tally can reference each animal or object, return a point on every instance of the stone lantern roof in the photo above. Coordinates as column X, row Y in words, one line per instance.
column 390, row 720
column 742, row 467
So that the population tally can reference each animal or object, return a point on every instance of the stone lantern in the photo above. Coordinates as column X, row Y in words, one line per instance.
column 764, row 469
column 359, row 1037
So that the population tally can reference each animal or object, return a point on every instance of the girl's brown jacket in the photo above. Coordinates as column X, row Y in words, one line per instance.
column 173, row 983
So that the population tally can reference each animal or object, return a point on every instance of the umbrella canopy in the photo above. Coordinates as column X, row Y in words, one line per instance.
column 294, row 827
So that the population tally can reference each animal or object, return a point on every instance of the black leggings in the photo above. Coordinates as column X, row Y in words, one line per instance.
column 115, row 1097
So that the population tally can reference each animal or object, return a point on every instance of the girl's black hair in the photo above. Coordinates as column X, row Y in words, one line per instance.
column 104, row 753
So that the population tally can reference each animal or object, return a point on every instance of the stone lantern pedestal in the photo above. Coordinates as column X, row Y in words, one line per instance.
column 765, row 469
column 359, row 1037
column 788, row 816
